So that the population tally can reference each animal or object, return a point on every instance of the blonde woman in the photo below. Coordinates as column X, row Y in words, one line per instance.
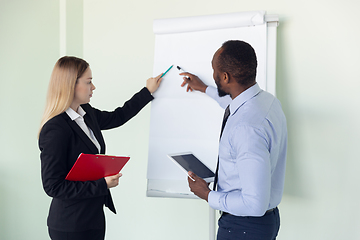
column 71, row 126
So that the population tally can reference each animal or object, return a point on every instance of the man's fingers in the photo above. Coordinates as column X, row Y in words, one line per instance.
column 192, row 175
column 186, row 74
column 184, row 83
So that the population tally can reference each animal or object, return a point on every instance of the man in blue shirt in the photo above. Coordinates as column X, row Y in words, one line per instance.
column 252, row 148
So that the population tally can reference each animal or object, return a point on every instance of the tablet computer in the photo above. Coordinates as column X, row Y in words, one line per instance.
column 188, row 162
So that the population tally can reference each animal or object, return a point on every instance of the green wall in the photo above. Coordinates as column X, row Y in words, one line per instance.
column 28, row 49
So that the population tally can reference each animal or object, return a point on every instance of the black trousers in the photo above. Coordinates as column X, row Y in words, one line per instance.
column 94, row 234
column 254, row 228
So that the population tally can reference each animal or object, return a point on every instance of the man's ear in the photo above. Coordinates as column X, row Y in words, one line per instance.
column 225, row 77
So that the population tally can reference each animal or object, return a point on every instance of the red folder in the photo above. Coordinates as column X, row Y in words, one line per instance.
column 91, row 167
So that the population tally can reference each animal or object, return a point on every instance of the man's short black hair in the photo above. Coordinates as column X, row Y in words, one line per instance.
column 238, row 59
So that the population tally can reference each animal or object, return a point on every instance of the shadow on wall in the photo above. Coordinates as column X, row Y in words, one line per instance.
column 293, row 186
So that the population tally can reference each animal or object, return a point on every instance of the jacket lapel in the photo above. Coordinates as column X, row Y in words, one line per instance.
column 88, row 118
column 81, row 134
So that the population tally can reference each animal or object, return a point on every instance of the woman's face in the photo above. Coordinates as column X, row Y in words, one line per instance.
column 84, row 88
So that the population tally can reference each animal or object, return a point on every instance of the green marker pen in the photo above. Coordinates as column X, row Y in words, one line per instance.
column 166, row 71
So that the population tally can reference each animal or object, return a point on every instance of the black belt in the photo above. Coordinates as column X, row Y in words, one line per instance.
column 268, row 211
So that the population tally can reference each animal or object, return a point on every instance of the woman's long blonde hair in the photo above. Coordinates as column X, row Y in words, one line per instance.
column 61, row 88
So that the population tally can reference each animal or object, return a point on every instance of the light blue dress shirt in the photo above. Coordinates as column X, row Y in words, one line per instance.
column 252, row 154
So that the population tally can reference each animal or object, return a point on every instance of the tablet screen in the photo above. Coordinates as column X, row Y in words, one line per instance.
column 191, row 163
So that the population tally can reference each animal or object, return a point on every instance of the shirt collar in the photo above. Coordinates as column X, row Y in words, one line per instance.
column 244, row 97
column 74, row 115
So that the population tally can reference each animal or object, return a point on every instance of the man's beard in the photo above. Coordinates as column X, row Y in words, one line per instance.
column 221, row 92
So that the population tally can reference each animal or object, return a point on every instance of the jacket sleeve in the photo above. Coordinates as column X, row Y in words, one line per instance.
column 116, row 118
column 56, row 156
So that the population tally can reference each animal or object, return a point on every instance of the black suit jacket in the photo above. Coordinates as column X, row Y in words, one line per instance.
column 78, row 206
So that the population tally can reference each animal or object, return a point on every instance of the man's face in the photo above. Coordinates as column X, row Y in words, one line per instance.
column 216, row 74
column 221, row 92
